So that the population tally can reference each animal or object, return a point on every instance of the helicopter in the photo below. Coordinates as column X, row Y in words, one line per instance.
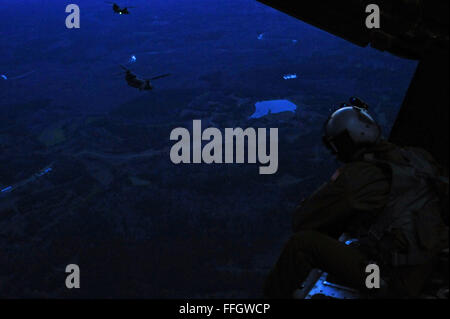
column 118, row 9
column 142, row 84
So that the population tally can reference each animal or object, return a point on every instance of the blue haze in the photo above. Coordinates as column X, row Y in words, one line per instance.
column 138, row 225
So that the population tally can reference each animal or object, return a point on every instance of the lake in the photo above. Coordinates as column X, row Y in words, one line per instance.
column 274, row 106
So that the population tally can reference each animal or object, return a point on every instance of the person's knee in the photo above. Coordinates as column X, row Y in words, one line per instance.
column 303, row 240
column 305, row 235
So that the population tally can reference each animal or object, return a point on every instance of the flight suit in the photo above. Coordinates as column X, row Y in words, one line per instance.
column 350, row 202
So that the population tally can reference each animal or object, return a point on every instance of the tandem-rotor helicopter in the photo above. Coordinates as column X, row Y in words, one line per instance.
column 117, row 9
column 142, row 84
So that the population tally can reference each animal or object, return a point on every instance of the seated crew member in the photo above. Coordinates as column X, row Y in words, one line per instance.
column 385, row 196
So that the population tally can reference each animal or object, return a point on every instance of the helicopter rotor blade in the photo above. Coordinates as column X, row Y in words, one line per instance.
column 124, row 68
column 160, row 76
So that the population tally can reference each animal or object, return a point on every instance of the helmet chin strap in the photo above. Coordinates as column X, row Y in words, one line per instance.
column 333, row 147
